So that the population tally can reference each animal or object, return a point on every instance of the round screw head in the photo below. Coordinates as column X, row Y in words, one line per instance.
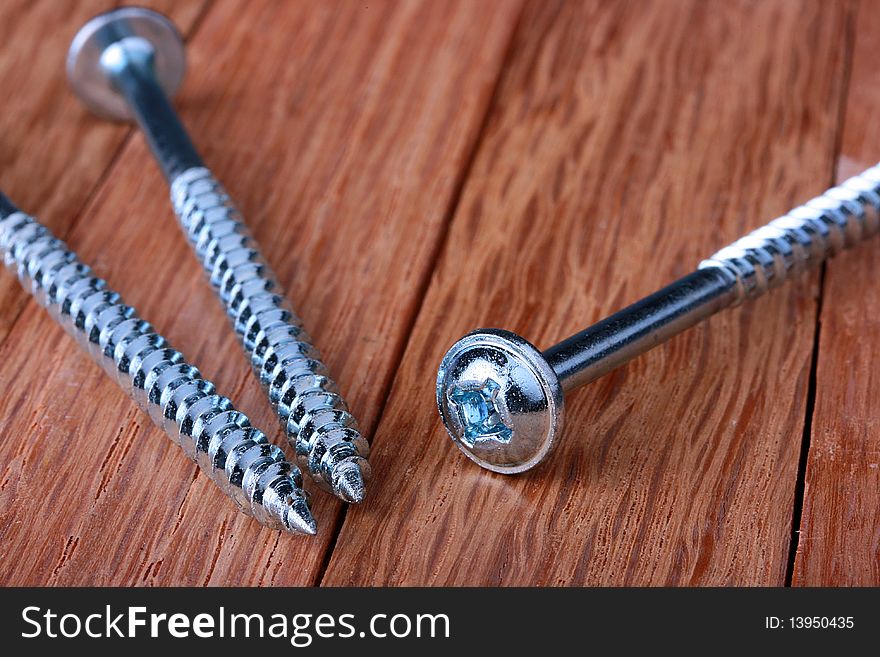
column 87, row 75
column 500, row 400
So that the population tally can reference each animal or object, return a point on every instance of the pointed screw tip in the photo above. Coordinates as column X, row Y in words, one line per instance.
column 350, row 484
column 300, row 519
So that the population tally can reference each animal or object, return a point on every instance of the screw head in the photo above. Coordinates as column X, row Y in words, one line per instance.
column 500, row 400
column 88, row 78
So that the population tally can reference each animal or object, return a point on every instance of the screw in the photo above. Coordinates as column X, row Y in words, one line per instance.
column 127, row 63
column 501, row 399
column 172, row 392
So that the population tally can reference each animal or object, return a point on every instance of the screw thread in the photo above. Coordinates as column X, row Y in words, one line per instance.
column 172, row 392
column 803, row 238
column 314, row 416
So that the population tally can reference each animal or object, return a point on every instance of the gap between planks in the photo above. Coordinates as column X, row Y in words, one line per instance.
column 436, row 255
column 800, row 482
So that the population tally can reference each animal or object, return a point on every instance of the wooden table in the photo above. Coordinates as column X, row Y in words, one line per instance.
column 414, row 170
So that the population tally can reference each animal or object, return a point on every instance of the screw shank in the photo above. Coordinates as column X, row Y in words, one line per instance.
column 624, row 335
column 155, row 115
column 220, row 439
column 763, row 259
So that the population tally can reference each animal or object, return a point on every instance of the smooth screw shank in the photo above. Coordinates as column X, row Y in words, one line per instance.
column 125, row 51
column 502, row 400
column 171, row 391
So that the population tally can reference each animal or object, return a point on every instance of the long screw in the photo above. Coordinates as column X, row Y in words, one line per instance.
column 172, row 392
column 127, row 63
column 501, row 399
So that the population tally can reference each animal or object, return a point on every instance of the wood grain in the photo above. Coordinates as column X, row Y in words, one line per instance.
column 839, row 542
column 627, row 142
column 623, row 143
column 52, row 155
column 342, row 129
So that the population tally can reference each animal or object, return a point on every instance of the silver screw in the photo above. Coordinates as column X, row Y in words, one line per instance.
column 127, row 63
column 172, row 392
column 501, row 399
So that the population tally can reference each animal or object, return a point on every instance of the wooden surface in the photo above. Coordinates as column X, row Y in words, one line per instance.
column 839, row 541
column 416, row 169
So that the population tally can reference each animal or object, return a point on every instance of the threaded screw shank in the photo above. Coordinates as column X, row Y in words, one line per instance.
column 171, row 391
column 314, row 416
column 803, row 238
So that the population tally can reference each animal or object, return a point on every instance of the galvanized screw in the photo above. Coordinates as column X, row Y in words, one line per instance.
column 172, row 392
column 501, row 399
column 127, row 63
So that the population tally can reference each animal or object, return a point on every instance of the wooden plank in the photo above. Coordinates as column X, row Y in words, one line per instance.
column 628, row 142
column 341, row 129
column 52, row 155
column 839, row 542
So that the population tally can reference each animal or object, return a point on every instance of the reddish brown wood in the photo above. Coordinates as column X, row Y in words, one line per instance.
column 839, row 542
column 52, row 155
column 342, row 129
column 627, row 142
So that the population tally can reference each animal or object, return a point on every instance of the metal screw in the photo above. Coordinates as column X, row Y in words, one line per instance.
column 501, row 399
column 172, row 392
column 127, row 63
